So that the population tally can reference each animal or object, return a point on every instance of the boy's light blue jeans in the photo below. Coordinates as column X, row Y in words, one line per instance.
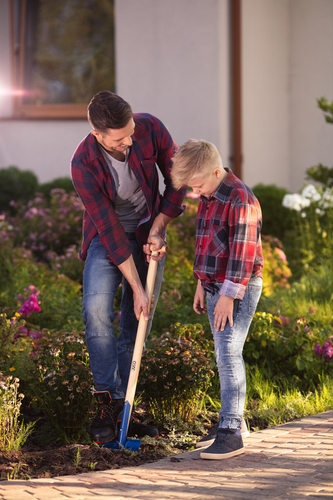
column 110, row 357
column 228, row 350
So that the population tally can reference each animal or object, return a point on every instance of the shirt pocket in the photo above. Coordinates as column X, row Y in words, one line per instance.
column 218, row 241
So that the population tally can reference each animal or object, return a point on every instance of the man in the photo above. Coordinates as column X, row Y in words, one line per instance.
column 114, row 172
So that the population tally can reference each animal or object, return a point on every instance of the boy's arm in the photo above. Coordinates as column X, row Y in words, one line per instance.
column 199, row 299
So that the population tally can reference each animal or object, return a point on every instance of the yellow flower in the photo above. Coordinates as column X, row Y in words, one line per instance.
column 17, row 315
column 12, row 369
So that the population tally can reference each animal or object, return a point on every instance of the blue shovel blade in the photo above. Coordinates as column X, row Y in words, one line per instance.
column 123, row 442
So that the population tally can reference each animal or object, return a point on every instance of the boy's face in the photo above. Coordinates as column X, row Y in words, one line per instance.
column 206, row 185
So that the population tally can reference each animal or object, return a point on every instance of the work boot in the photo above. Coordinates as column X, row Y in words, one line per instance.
column 141, row 430
column 104, row 426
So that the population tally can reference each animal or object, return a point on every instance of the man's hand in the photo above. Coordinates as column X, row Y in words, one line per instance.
column 140, row 300
column 155, row 240
column 223, row 311
column 199, row 299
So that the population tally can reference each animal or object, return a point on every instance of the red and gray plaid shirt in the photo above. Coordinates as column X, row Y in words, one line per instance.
column 228, row 243
column 152, row 144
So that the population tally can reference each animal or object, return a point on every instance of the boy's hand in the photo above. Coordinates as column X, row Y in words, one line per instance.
column 199, row 300
column 223, row 312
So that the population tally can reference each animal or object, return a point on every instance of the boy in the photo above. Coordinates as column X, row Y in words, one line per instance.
column 228, row 263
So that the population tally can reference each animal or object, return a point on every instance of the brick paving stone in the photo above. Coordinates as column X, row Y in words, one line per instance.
column 291, row 461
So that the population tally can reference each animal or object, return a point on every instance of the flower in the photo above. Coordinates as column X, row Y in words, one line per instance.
column 311, row 193
column 295, row 201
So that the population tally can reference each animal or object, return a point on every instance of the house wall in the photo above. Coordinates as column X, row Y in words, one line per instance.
column 287, row 51
column 311, row 77
column 172, row 61
column 265, row 91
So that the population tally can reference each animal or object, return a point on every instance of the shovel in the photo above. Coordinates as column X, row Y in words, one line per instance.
column 123, row 441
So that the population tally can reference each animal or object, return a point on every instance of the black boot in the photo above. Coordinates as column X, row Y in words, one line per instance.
column 104, row 425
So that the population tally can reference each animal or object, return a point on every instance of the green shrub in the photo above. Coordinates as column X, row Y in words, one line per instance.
column 16, row 185
column 276, row 219
column 64, row 183
column 44, row 225
column 278, row 344
column 176, row 373
column 61, row 297
column 63, row 384
column 15, row 349
column 276, row 271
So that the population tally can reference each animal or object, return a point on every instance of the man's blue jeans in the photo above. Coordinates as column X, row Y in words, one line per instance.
column 110, row 357
column 228, row 350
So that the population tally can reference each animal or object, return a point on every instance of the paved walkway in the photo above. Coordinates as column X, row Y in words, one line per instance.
column 291, row 461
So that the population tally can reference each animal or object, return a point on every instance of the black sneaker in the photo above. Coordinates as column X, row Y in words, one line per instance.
column 104, row 426
column 210, row 438
column 228, row 443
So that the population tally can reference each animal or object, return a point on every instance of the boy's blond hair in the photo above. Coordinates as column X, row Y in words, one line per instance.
column 196, row 157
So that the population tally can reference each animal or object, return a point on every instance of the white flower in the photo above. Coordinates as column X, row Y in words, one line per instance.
column 311, row 193
column 327, row 199
column 295, row 201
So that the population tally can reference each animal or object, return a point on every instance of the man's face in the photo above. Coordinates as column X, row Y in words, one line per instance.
column 116, row 141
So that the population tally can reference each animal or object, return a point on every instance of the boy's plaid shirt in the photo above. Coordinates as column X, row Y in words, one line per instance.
column 152, row 144
column 228, row 243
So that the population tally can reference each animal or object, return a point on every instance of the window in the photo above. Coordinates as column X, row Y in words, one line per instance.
column 63, row 54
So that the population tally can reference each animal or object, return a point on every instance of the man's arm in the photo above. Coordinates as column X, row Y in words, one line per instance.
column 155, row 236
column 140, row 298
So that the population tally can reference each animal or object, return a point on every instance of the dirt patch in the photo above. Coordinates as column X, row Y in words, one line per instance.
column 73, row 459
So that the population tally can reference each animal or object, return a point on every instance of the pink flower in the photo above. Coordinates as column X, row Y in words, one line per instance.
column 284, row 320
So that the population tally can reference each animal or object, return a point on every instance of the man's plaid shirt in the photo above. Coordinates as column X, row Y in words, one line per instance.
column 152, row 144
column 228, row 243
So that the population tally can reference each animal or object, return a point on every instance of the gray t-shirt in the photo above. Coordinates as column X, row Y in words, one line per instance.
column 130, row 201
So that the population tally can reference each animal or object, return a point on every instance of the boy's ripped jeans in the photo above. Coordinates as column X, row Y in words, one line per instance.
column 228, row 349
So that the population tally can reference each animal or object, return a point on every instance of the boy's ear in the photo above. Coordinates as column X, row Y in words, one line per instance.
column 217, row 172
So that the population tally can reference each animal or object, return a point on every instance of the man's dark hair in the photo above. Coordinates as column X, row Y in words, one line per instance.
column 108, row 110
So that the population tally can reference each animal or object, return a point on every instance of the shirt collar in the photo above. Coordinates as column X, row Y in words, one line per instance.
column 222, row 191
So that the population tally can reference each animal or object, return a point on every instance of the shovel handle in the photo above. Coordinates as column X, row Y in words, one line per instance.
column 138, row 348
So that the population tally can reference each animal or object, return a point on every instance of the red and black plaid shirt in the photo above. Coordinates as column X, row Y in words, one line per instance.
column 152, row 144
column 228, row 243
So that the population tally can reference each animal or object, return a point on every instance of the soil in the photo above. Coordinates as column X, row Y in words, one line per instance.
column 72, row 459
column 35, row 461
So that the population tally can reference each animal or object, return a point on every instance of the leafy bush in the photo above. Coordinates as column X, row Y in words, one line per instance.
column 44, row 225
column 281, row 344
column 16, row 185
column 63, row 384
column 276, row 271
column 277, row 220
column 64, row 183
column 176, row 373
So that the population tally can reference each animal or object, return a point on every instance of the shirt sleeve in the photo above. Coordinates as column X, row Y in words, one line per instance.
column 171, row 201
column 100, row 209
column 244, row 230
